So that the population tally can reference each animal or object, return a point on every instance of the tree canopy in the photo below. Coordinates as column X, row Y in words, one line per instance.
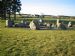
column 8, row 7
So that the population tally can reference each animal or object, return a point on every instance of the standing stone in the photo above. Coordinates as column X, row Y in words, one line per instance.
column 6, row 22
column 48, row 25
column 58, row 23
column 36, row 22
column 40, row 20
column 69, row 24
column 10, row 23
column 21, row 21
column 32, row 25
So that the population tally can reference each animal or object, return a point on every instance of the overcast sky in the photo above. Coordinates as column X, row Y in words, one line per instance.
column 49, row 7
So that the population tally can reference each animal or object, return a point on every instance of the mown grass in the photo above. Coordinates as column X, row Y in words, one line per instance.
column 22, row 42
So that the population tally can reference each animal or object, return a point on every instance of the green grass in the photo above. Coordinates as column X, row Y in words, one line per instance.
column 22, row 42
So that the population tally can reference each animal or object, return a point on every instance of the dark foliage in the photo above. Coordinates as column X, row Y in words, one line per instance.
column 8, row 7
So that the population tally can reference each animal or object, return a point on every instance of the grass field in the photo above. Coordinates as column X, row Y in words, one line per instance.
column 22, row 42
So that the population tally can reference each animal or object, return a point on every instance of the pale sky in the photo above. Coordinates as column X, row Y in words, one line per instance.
column 49, row 7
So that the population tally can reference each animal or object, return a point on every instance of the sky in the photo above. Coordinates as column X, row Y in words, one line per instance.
column 48, row 7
